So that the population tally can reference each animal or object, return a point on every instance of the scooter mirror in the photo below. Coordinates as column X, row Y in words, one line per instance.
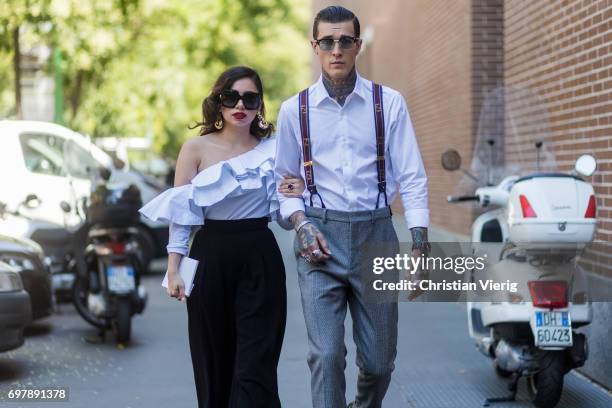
column 31, row 201
column 451, row 160
column 586, row 165
column 104, row 173
column 65, row 207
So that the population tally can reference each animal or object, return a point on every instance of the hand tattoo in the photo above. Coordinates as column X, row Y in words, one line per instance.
column 307, row 236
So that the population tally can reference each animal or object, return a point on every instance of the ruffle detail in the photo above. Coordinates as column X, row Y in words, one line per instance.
column 187, row 204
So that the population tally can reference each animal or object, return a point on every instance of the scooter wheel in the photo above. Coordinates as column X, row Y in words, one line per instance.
column 124, row 321
column 546, row 386
column 79, row 299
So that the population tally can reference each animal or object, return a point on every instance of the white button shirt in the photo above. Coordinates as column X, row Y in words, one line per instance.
column 343, row 146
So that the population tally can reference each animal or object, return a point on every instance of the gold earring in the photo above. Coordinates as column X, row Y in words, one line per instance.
column 262, row 122
column 219, row 124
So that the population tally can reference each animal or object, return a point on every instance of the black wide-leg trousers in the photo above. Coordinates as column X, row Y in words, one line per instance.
column 236, row 314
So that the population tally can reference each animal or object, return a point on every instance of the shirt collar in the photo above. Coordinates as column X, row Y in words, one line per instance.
column 319, row 93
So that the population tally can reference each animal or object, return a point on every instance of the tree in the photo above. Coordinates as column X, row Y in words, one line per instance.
column 142, row 67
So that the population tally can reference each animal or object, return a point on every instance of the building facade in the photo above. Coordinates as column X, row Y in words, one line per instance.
column 553, row 59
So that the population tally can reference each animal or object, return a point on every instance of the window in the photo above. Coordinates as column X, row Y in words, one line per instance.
column 79, row 162
column 56, row 156
column 42, row 153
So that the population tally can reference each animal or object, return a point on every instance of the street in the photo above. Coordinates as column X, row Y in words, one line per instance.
column 437, row 365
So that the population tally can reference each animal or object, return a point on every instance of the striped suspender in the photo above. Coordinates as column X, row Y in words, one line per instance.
column 305, row 131
column 379, row 122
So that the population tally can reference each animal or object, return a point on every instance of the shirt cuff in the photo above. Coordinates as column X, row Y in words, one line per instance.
column 418, row 217
column 178, row 238
column 291, row 205
column 177, row 249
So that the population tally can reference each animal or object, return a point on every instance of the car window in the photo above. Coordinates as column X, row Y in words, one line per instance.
column 42, row 153
column 79, row 162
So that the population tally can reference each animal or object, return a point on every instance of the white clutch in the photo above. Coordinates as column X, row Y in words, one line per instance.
column 187, row 271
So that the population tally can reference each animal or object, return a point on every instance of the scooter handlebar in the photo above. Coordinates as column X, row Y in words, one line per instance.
column 459, row 199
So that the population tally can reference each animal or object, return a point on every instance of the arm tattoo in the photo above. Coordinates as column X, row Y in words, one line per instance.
column 419, row 239
column 297, row 217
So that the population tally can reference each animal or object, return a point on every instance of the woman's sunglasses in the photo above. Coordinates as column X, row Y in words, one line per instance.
column 230, row 97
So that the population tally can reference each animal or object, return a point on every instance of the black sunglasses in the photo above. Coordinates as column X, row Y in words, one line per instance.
column 230, row 97
column 346, row 43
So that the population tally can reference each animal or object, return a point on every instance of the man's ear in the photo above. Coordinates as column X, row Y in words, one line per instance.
column 313, row 44
column 359, row 43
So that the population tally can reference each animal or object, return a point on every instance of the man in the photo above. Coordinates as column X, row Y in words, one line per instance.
column 334, row 133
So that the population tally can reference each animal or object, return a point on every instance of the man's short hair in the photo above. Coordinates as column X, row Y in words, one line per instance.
column 335, row 14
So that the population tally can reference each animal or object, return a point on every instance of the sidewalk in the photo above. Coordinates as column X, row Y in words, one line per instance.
column 437, row 364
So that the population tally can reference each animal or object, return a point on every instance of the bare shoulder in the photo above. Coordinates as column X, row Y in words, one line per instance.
column 194, row 144
column 190, row 152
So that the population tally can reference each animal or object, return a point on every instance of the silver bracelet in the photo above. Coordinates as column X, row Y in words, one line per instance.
column 301, row 224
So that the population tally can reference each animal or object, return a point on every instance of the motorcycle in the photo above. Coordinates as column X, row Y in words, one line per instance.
column 540, row 225
column 532, row 333
column 107, row 291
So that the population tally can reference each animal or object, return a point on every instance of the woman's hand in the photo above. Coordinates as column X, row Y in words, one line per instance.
column 176, row 286
column 291, row 186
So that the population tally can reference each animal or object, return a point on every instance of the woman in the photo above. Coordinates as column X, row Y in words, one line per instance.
column 225, row 182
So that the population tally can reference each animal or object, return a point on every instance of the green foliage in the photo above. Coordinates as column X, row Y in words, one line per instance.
column 142, row 67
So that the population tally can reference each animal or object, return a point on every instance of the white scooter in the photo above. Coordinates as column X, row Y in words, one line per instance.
column 540, row 225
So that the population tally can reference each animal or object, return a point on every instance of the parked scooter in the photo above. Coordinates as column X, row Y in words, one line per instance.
column 107, row 290
column 541, row 224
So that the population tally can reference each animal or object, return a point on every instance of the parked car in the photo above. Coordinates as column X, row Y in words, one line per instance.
column 15, row 309
column 54, row 163
column 26, row 258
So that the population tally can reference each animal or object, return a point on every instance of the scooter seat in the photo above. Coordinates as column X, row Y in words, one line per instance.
column 51, row 236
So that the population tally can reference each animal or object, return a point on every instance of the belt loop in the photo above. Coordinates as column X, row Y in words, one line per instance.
column 372, row 216
column 324, row 215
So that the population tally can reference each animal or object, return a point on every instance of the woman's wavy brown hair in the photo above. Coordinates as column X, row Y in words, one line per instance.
column 211, row 106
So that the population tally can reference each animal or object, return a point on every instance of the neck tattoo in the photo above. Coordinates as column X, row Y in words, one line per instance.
column 339, row 89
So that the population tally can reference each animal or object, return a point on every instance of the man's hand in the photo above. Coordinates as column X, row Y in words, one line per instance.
column 416, row 277
column 312, row 244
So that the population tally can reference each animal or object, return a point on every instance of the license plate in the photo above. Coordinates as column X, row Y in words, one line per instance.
column 120, row 278
column 552, row 328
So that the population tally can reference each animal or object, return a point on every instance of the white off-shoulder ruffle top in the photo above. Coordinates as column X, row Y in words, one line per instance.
column 240, row 187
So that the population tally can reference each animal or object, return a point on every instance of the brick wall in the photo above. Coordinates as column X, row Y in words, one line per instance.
column 562, row 52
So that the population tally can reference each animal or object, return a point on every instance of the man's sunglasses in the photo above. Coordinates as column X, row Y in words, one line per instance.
column 230, row 97
column 327, row 44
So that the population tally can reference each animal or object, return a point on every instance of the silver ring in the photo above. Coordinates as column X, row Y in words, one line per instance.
column 316, row 253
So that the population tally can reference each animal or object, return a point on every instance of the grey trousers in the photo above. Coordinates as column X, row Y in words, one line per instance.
column 326, row 290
